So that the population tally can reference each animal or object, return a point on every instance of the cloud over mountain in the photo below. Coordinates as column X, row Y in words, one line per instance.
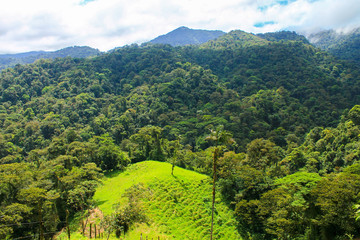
column 105, row 24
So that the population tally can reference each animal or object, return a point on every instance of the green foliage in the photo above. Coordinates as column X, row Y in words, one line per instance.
column 125, row 217
column 357, row 211
column 354, row 114
column 63, row 121
column 287, row 208
column 109, row 156
column 147, row 144
column 262, row 154
column 12, row 216
column 335, row 197
column 305, row 204
column 31, row 193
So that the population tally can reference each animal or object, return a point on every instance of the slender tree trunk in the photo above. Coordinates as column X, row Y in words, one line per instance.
column 67, row 224
column 109, row 233
column 172, row 168
column 174, row 158
column 41, row 226
column 90, row 233
column 87, row 215
column 216, row 153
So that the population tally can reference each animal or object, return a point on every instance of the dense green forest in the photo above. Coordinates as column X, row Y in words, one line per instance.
column 292, row 172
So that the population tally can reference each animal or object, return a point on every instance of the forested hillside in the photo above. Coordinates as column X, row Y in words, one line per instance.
column 292, row 172
column 344, row 45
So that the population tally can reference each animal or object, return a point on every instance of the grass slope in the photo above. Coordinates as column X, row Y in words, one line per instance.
column 177, row 207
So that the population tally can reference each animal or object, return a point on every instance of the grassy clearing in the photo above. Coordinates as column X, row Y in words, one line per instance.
column 115, row 184
column 177, row 207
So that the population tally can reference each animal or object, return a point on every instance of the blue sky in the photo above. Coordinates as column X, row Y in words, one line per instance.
column 105, row 24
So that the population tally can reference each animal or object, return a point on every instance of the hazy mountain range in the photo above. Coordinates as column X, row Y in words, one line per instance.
column 342, row 45
column 10, row 60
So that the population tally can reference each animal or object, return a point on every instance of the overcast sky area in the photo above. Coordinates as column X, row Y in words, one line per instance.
column 27, row 25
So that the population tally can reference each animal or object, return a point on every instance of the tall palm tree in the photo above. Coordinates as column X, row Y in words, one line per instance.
column 218, row 136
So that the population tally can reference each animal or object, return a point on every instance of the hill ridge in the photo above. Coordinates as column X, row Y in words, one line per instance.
column 235, row 39
column 169, row 201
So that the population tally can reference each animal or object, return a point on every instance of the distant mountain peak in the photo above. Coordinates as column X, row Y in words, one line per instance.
column 182, row 27
column 187, row 36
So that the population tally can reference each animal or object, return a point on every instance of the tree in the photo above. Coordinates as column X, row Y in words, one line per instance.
column 78, row 186
column 335, row 195
column 218, row 136
column 148, row 144
column 11, row 216
column 228, row 173
column 288, row 209
column 41, row 201
column 78, row 198
column 172, row 149
column 109, row 156
column 354, row 114
column 263, row 154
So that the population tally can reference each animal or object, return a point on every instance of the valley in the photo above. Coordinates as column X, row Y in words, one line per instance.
column 101, row 134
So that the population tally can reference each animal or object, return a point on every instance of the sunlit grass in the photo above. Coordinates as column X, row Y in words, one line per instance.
column 177, row 207
column 114, row 186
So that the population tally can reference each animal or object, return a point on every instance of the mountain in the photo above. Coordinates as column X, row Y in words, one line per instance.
column 186, row 36
column 234, row 40
column 342, row 45
column 67, row 123
column 22, row 55
column 239, row 39
column 10, row 60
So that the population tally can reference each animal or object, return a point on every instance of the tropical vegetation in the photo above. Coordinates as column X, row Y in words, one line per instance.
column 292, row 171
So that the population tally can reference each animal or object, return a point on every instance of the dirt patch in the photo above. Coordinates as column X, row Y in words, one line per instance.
column 91, row 226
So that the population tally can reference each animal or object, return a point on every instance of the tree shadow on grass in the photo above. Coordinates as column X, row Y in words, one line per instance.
column 98, row 203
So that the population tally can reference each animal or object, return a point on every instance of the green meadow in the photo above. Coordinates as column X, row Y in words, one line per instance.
column 176, row 206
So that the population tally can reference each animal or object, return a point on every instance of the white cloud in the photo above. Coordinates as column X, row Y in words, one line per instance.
column 334, row 14
column 105, row 24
